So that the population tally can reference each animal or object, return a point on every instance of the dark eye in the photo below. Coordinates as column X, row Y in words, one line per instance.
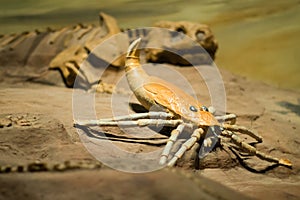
column 181, row 30
column 204, row 108
column 193, row 108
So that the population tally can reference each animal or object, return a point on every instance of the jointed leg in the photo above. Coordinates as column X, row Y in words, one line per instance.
column 174, row 134
column 225, row 118
column 243, row 130
column 103, row 122
column 186, row 146
column 135, row 116
column 139, row 122
column 252, row 150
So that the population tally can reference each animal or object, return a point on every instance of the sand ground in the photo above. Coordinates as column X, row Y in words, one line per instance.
column 51, row 137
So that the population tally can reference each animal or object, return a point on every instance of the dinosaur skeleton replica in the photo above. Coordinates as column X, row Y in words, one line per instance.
column 65, row 49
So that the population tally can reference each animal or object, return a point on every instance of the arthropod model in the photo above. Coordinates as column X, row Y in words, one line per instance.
column 177, row 109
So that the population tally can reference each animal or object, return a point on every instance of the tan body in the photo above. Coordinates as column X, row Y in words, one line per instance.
column 180, row 110
column 153, row 92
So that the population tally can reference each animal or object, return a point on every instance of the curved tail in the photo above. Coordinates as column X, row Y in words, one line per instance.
column 133, row 56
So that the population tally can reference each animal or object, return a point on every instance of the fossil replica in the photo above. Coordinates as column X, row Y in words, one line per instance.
column 64, row 49
column 67, row 48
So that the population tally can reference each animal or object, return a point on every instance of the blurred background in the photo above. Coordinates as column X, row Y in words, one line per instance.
column 258, row 39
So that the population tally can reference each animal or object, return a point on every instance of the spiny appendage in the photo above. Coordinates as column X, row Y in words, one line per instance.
column 253, row 151
column 45, row 167
column 186, row 146
column 243, row 130
column 135, row 116
column 227, row 118
column 172, row 139
column 130, row 117
column 154, row 118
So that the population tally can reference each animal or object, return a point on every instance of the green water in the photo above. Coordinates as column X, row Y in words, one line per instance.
column 257, row 38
